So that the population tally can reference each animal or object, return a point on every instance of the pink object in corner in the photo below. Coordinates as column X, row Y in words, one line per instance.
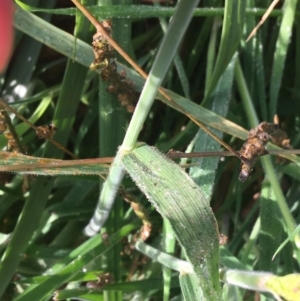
column 6, row 32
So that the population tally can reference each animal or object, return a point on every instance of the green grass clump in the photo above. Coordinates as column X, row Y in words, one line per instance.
column 159, row 226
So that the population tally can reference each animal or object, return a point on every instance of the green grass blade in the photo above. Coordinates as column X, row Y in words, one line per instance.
column 53, row 37
column 11, row 162
column 164, row 258
column 177, row 61
column 113, row 120
column 282, row 44
column 231, row 35
column 178, row 199
column 291, row 236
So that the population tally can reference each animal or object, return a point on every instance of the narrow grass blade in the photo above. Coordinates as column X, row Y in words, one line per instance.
column 53, row 37
column 165, row 259
column 113, row 118
column 282, row 46
column 290, row 238
column 177, row 61
column 255, row 76
column 231, row 35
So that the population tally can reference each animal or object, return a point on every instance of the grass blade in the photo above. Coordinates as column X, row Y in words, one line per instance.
column 231, row 35
column 282, row 43
column 178, row 199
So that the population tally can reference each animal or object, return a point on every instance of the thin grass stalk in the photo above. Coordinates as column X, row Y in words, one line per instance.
column 248, row 247
column 112, row 120
column 107, row 197
column 177, row 61
column 166, row 53
column 136, row 12
column 211, row 54
column 165, row 259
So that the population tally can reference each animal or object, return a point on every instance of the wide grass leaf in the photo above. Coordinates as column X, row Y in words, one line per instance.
column 178, row 199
